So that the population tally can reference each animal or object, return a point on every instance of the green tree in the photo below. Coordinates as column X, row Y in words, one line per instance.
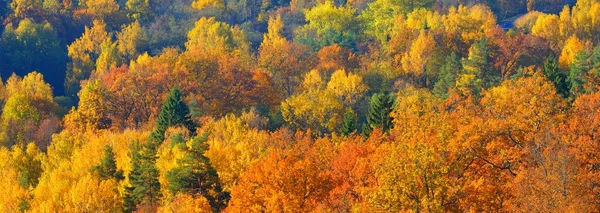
column 108, row 166
column 349, row 125
column 476, row 73
column 558, row 78
column 173, row 112
column 447, row 76
column 584, row 67
column 195, row 175
column 145, row 187
column 380, row 107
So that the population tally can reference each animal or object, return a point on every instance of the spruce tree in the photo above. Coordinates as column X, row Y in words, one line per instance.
column 174, row 112
column 447, row 76
column 195, row 175
column 108, row 166
column 558, row 78
column 380, row 107
column 145, row 187
column 349, row 125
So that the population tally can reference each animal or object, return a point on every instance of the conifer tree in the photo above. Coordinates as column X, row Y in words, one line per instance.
column 558, row 78
column 380, row 107
column 173, row 112
column 475, row 74
column 145, row 187
column 108, row 166
column 195, row 175
column 447, row 76
column 349, row 125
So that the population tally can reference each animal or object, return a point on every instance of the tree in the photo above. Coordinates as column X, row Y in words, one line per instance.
column 348, row 87
column 107, row 169
column 416, row 61
column 92, row 113
column 476, row 73
column 83, row 53
column 139, row 10
column 131, row 41
column 33, row 46
column 447, row 76
column 285, row 61
column 572, row 46
column 173, row 112
column 145, row 187
column 558, row 77
column 349, row 125
column 379, row 15
column 327, row 25
column 195, row 175
column 380, row 107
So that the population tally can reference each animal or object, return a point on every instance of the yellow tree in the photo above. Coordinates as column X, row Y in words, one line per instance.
column 83, row 53
column 348, row 87
column 416, row 61
column 571, row 48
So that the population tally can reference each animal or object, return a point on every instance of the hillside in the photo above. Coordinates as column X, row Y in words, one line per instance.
column 299, row 106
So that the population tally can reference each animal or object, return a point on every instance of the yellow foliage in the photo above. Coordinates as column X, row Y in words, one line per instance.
column 234, row 146
column 416, row 60
column 184, row 203
column 572, row 46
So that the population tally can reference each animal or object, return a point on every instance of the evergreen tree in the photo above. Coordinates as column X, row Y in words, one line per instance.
column 558, row 78
column 578, row 70
column 145, row 187
column 585, row 66
column 380, row 107
column 447, row 76
column 174, row 112
column 476, row 73
column 196, row 176
column 128, row 200
column 349, row 125
column 108, row 166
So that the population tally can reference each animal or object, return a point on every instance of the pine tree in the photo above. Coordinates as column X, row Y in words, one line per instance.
column 558, row 78
column 196, row 176
column 447, row 76
column 380, row 107
column 145, row 187
column 349, row 125
column 108, row 166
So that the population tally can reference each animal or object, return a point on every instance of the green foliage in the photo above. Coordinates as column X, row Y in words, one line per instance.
column 447, row 76
column 108, row 166
column 329, row 24
column 380, row 107
column 145, row 187
column 558, row 78
column 583, row 70
column 173, row 112
column 476, row 73
column 349, row 125
column 195, row 175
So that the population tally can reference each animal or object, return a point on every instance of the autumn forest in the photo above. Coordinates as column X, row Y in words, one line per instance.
column 299, row 106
